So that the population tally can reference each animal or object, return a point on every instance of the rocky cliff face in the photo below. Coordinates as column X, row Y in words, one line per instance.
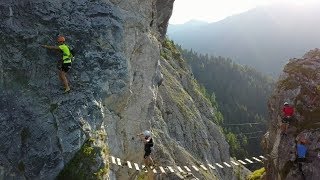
column 123, row 81
column 299, row 85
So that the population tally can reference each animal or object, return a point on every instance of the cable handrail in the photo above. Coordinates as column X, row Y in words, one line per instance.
column 249, row 133
column 242, row 124
column 253, row 137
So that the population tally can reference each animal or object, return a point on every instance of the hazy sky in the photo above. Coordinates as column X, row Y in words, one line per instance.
column 215, row 10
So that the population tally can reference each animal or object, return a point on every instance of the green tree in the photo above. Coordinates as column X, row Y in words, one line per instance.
column 239, row 95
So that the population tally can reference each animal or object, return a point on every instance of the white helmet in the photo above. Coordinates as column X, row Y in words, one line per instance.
column 147, row 133
column 285, row 103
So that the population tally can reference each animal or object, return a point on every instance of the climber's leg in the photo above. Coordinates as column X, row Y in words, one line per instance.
column 63, row 75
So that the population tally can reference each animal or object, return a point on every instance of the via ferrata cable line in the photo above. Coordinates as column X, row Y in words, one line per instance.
column 249, row 133
column 242, row 124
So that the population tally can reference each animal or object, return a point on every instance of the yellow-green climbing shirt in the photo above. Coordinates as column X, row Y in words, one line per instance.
column 66, row 55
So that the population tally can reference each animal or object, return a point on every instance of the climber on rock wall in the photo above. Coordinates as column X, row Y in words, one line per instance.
column 64, row 62
column 301, row 153
column 287, row 115
column 148, row 144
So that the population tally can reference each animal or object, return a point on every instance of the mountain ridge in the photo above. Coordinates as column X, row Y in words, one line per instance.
column 261, row 38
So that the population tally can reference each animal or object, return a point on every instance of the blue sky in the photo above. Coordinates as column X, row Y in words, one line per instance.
column 215, row 10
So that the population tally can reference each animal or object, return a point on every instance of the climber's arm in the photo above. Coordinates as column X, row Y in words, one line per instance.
column 51, row 47
column 147, row 140
column 141, row 136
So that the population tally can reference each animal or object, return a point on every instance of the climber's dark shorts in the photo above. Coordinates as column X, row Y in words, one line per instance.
column 65, row 67
column 147, row 153
column 301, row 160
column 286, row 120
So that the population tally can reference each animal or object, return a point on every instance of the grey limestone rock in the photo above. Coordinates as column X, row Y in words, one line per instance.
column 119, row 84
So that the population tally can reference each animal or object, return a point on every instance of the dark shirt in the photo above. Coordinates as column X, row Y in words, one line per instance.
column 149, row 144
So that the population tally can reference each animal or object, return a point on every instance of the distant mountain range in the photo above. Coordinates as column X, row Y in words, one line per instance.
column 265, row 37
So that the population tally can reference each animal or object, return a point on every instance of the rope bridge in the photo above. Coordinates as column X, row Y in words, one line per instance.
column 190, row 168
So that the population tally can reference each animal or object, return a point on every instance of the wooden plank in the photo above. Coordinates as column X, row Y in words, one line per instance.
column 113, row 159
column 210, row 166
column 162, row 170
column 262, row 157
column 203, row 167
column 119, row 161
column 242, row 162
column 186, row 167
column 129, row 164
column 170, row 169
column 144, row 167
column 179, row 168
column 154, row 171
column 228, row 165
column 256, row 159
column 219, row 165
column 234, row 163
column 248, row 160
column 195, row 168
column 136, row 166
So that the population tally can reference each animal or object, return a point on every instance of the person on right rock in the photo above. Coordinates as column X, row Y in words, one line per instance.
column 287, row 115
column 301, row 153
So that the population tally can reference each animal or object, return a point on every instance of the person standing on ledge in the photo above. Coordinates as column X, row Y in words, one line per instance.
column 148, row 144
column 65, row 62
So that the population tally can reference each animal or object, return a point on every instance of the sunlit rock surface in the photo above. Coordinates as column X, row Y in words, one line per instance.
column 122, row 81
